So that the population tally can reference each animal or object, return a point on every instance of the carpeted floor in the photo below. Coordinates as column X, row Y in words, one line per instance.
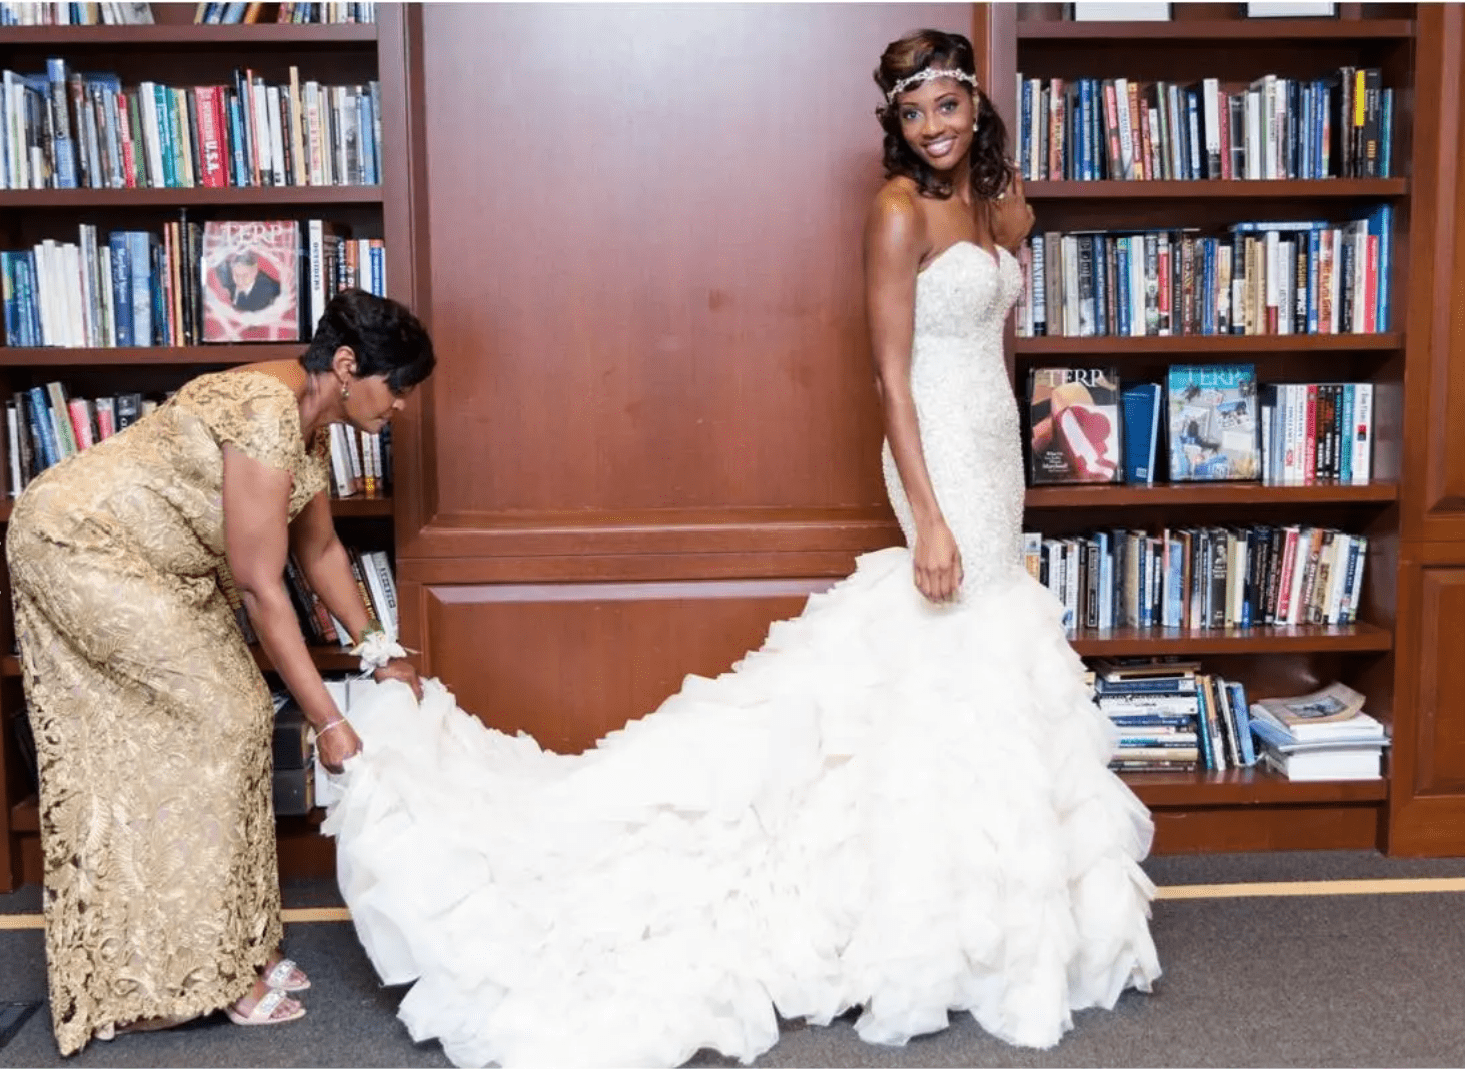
column 1331, row 980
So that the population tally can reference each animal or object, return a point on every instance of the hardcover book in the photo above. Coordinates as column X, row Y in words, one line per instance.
column 1074, row 425
column 249, row 281
column 1212, row 422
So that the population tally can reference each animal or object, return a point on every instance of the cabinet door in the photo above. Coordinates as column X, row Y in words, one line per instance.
column 1427, row 780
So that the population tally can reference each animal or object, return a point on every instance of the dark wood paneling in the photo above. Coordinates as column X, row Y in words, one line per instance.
column 569, row 662
column 643, row 253
column 1267, row 828
column 1426, row 813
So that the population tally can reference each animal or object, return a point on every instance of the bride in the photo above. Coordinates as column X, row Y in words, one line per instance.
column 899, row 803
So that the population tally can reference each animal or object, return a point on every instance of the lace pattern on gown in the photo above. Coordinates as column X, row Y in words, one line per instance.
column 151, row 718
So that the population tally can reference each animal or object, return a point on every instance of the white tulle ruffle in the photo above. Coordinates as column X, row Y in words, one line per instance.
column 890, row 805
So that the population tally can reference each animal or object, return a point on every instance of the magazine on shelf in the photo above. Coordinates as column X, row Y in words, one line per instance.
column 1212, row 421
column 249, row 280
column 1074, row 425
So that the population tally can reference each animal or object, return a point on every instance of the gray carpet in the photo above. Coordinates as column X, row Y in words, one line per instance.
column 1308, row 981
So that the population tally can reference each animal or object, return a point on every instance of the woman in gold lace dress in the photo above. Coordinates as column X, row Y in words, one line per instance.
column 151, row 718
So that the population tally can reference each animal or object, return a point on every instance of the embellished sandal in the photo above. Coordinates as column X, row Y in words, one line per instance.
column 273, row 1008
column 280, row 976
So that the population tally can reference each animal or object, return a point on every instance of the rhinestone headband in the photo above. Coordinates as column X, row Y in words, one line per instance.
column 926, row 75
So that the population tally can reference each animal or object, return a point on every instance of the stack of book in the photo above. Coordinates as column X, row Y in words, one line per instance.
column 38, row 13
column 1153, row 706
column 1325, row 735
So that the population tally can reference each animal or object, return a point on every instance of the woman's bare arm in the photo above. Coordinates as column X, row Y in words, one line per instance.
column 894, row 244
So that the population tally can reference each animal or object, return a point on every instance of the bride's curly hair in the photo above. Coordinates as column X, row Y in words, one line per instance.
column 988, row 158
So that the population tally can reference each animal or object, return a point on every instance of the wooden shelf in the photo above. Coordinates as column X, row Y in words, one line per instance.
column 1210, row 345
column 1212, row 189
column 359, row 507
column 1235, row 787
column 1113, row 495
column 25, row 816
column 340, row 507
column 330, row 659
column 1210, row 31
column 243, row 353
column 188, row 197
column 186, row 35
column 1298, row 639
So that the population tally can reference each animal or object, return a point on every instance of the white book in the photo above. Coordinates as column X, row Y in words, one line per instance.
column 381, row 607
column 277, row 135
column 1362, row 440
column 90, row 299
column 1300, row 563
column 1211, row 123
column 109, row 306
column 1069, row 256
column 12, row 432
column 340, row 466
column 382, row 566
column 1355, row 589
column 1137, row 286
column 152, row 144
column 1127, row 136
column 260, row 128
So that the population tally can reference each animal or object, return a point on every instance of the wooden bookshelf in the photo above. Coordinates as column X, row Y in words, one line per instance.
column 1210, row 31
column 1215, row 189
column 1217, row 347
column 1249, row 787
column 176, row 52
column 192, row 197
column 1247, row 808
column 1112, row 495
column 260, row 36
column 131, row 356
column 340, row 507
column 1291, row 639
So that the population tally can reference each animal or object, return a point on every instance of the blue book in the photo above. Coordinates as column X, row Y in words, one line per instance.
column 366, row 142
column 1025, row 125
column 63, row 146
column 1386, row 128
column 121, row 288
column 1208, row 286
column 1122, row 286
column 1203, row 730
column 140, row 269
column 1086, row 123
column 1141, row 417
column 235, row 119
column 1348, row 422
column 41, row 421
column 1313, row 254
column 1380, row 223
column 12, row 312
column 1237, row 704
column 28, row 304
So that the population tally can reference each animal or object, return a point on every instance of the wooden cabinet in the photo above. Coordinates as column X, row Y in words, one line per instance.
column 1426, row 789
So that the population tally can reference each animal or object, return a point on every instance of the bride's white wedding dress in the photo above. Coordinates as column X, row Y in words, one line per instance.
column 890, row 805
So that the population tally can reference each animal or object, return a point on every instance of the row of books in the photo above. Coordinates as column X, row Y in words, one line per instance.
column 1297, row 277
column 1202, row 578
column 33, row 13
column 220, row 281
column 375, row 583
column 44, row 425
column 1085, row 426
column 234, row 13
column 1119, row 129
column 66, row 130
column 1168, row 716
column 361, row 462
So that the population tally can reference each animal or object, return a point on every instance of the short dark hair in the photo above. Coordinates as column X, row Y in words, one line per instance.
column 385, row 336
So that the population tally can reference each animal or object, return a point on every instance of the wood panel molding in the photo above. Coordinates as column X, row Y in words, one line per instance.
column 1427, row 781
column 1433, row 495
column 569, row 662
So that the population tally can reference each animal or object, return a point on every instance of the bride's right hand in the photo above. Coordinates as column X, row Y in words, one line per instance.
column 937, row 563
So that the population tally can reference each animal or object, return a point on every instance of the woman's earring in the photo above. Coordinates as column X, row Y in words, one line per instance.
column 345, row 392
column 974, row 126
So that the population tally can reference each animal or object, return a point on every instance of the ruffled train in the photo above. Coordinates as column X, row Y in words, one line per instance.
column 889, row 805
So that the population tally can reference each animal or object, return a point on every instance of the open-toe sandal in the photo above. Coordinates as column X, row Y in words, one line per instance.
column 268, row 1011
column 278, row 976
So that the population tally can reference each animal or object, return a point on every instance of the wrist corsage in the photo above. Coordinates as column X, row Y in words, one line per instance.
column 376, row 649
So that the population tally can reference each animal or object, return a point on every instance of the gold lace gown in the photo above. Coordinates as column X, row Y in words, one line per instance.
column 151, row 719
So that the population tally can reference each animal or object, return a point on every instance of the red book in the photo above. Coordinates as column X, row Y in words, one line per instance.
column 1224, row 132
column 124, row 138
column 211, row 139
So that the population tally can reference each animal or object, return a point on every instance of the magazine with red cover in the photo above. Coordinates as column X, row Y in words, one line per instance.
column 1074, row 425
column 249, row 281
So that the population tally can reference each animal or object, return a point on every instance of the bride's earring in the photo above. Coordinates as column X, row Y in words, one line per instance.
column 345, row 392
